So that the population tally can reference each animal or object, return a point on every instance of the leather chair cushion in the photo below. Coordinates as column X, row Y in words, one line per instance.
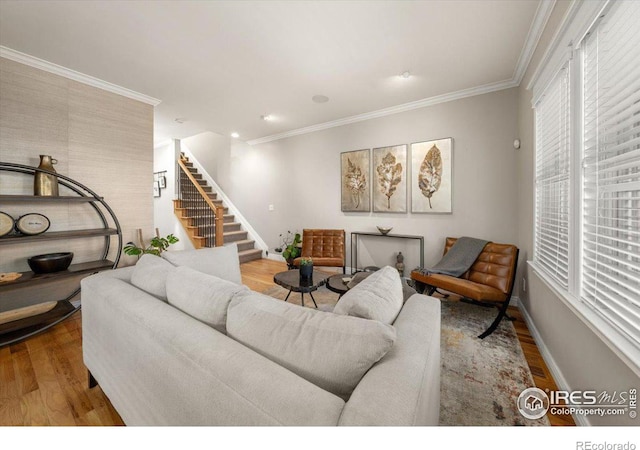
column 325, row 247
column 494, row 266
column 327, row 262
column 460, row 286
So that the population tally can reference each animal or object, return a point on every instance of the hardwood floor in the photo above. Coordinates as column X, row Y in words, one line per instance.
column 43, row 380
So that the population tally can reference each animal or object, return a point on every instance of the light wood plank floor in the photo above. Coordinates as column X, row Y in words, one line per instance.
column 43, row 380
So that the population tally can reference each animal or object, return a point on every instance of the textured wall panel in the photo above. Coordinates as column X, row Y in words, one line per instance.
column 100, row 139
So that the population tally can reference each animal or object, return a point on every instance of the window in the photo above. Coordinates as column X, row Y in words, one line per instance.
column 552, row 179
column 587, row 204
column 611, row 169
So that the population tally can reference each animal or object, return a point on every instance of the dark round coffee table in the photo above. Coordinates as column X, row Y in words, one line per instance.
column 291, row 280
column 337, row 285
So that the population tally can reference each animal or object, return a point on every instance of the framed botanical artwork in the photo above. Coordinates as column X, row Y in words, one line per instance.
column 390, row 179
column 431, row 176
column 156, row 189
column 355, row 184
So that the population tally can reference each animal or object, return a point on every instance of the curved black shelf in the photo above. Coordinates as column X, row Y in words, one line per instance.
column 74, row 269
column 57, row 235
column 64, row 308
column 36, row 198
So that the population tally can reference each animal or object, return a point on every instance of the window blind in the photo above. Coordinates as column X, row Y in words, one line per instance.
column 611, row 169
column 551, row 251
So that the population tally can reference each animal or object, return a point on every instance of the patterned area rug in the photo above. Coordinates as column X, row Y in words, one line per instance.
column 480, row 379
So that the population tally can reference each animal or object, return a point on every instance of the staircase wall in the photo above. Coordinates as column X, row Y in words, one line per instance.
column 164, row 158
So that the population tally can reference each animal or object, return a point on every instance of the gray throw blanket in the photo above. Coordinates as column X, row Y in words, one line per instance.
column 459, row 258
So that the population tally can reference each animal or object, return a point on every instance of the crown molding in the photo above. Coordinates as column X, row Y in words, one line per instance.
column 545, row 7
column 50, row 67
column 430, row 101
column 555, row 42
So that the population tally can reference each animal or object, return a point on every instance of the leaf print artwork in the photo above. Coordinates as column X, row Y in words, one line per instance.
column 389, row 176
column 430, row 175
column 355, row 181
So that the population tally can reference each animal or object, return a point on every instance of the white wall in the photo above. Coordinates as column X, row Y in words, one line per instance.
column 164, row 158
column 212, row 151
column 582, row 358
column 300, row 177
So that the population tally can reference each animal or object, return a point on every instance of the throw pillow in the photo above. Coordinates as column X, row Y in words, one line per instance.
column 222, row 262
column 332, row 352
column 203, row 297
column 150, row 274
column 377, row 297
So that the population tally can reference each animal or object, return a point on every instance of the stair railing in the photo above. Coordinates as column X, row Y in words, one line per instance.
column 208, row 217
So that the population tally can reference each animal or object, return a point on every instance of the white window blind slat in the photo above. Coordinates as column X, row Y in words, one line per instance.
column 552, row 170
column 611, row 177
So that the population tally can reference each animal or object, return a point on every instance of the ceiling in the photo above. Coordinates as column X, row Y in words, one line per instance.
column 221, row 65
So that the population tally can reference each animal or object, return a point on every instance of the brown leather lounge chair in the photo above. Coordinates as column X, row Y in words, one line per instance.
column 489, row 281
column 325, row 247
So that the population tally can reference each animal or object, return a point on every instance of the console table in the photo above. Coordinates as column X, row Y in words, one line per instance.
column 354, row 244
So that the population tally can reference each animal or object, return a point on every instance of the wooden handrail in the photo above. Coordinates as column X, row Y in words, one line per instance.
column 218, row 210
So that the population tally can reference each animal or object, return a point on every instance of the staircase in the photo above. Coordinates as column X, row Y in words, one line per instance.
column 196, row 216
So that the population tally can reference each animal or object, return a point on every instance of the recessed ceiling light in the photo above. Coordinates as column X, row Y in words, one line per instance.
column 320, row 98
column 266, row 117
column 235, row 135
column 180, row 120
column 406, row 74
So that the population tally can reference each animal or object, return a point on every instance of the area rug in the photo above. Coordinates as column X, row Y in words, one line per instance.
column 480, row 379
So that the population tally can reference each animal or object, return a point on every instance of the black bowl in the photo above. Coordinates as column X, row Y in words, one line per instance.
column 51, row 262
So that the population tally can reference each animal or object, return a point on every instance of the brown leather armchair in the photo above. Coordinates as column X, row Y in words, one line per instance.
column 489, row 281
column 325, row 247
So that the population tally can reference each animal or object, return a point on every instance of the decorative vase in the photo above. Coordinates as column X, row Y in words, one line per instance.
column 400, row 263
column 306, row 271
column 46, row 185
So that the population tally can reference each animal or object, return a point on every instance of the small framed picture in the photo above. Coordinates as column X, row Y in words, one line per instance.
column 162, row 180
column 156, row 189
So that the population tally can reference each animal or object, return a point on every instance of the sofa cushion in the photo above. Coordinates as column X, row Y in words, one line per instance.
column 331, row 351
column 203, row 297
column 222, row 262
column 377, row 297
column 150, row 274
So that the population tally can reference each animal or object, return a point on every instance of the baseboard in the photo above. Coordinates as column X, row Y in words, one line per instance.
column 551, row 363
column 275, row 256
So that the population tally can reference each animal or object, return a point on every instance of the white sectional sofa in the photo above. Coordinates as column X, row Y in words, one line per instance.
column 179, row 341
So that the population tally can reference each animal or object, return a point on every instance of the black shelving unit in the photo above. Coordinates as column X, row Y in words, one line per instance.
column 20, row 329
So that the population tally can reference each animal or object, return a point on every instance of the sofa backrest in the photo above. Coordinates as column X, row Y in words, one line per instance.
column 494, row 266
column 222, row 262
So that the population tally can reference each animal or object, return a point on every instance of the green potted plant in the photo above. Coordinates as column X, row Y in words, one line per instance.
column 306, row 268
column 157, row 246
column 292, row 251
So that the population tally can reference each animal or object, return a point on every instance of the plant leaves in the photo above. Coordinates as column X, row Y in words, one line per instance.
column 389, row 176
column 430, row 175
column 156, row 246
column 355, row 181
